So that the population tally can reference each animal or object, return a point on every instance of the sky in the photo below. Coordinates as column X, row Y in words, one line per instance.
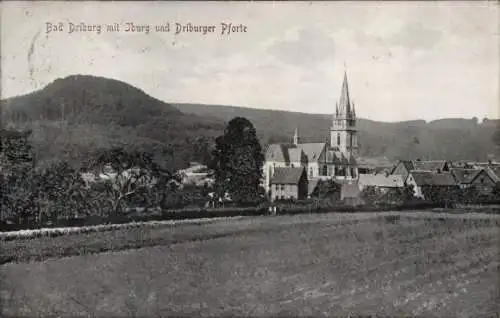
column 404, row 60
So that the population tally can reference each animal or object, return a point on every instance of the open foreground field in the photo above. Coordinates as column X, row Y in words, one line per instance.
column 390, row 264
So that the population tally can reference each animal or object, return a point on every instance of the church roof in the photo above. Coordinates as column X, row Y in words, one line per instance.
column 276, row 152
column 295, row 154
column 312, row 150
column 287, row 175
column 345, row 100
column 332, row 157
column 341, row 158
column 350, row 158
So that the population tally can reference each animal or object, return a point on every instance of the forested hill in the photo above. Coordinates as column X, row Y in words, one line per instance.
column 75, row 115
column 453, row 139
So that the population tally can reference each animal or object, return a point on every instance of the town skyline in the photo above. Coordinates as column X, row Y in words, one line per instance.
column 404, row 62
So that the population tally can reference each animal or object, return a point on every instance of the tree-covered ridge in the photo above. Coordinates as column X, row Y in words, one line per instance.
column 451, row 139
column 73, row 116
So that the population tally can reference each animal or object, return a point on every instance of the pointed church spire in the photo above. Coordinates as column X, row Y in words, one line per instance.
column 344, row 102
column 296, row 136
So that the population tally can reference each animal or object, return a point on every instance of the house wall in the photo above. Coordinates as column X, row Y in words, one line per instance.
column 417, row 191
column 313, row 170
column 401, row 170
column 268, row 172
column 483, row 183
column 284, row 191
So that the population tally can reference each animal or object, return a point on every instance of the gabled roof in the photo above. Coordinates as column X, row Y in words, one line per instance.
column 312, row 184
column 287, row 175
column 464, row 176
column 428, row 178
column 331, row 157
column 276, row 152
column 406, row 163
column 341, row 158
column 296, row 154
column 312, row 150
column 496, row 172
column 374, row 162
column 380, row 180
column 489, row 172
column 431, row 165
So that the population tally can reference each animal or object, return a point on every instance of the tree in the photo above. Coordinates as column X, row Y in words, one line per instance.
column 496, row 137
column 327, row 189
column 128, row 176
column 496, row 190
column 237, row 162
column 17, row 176
column 60, row 192
column 408, row 193
column 371, row 194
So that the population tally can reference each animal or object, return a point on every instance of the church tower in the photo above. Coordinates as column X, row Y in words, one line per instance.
column 296, row 137
column 343, row 133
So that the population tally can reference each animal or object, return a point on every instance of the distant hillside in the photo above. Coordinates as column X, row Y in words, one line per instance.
column 75, row 115
column 454, row 139
column 78, row 114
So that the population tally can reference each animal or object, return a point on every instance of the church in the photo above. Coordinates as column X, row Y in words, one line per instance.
column 335, row 159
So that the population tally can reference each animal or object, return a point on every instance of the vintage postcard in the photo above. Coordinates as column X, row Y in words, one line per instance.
column 249, row 159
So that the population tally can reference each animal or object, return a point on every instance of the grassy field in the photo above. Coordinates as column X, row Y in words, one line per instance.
column 399, row 264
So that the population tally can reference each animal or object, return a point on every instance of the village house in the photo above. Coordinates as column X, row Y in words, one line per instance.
column 483, row 180
column 335, row 159
column 404, row 167
column 289, row 183
column 196, row 174
column 381, row 181
column 420, row 180
column 374, row 165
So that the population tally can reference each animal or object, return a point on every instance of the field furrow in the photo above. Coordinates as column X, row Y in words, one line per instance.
column 315, row 265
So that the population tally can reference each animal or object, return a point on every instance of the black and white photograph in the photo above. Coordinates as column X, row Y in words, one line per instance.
column 249, row 159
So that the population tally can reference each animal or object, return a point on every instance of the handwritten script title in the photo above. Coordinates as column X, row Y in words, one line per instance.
column 129, row 27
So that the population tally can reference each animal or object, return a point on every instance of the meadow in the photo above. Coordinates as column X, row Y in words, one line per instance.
column 388, row 264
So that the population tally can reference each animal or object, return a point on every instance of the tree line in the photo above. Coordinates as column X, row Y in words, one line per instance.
column 112, row 182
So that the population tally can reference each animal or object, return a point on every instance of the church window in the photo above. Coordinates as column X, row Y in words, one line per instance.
column 325, row 170
column 310, row 172
column 338, row 139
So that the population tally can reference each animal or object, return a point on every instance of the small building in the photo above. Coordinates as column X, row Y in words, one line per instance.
column 404, row 167
column 426, row 179
column 381, row 181
column 289, row 184
column 483, row 180
column 464, row 176
column 349, row 193
column 373, row 165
